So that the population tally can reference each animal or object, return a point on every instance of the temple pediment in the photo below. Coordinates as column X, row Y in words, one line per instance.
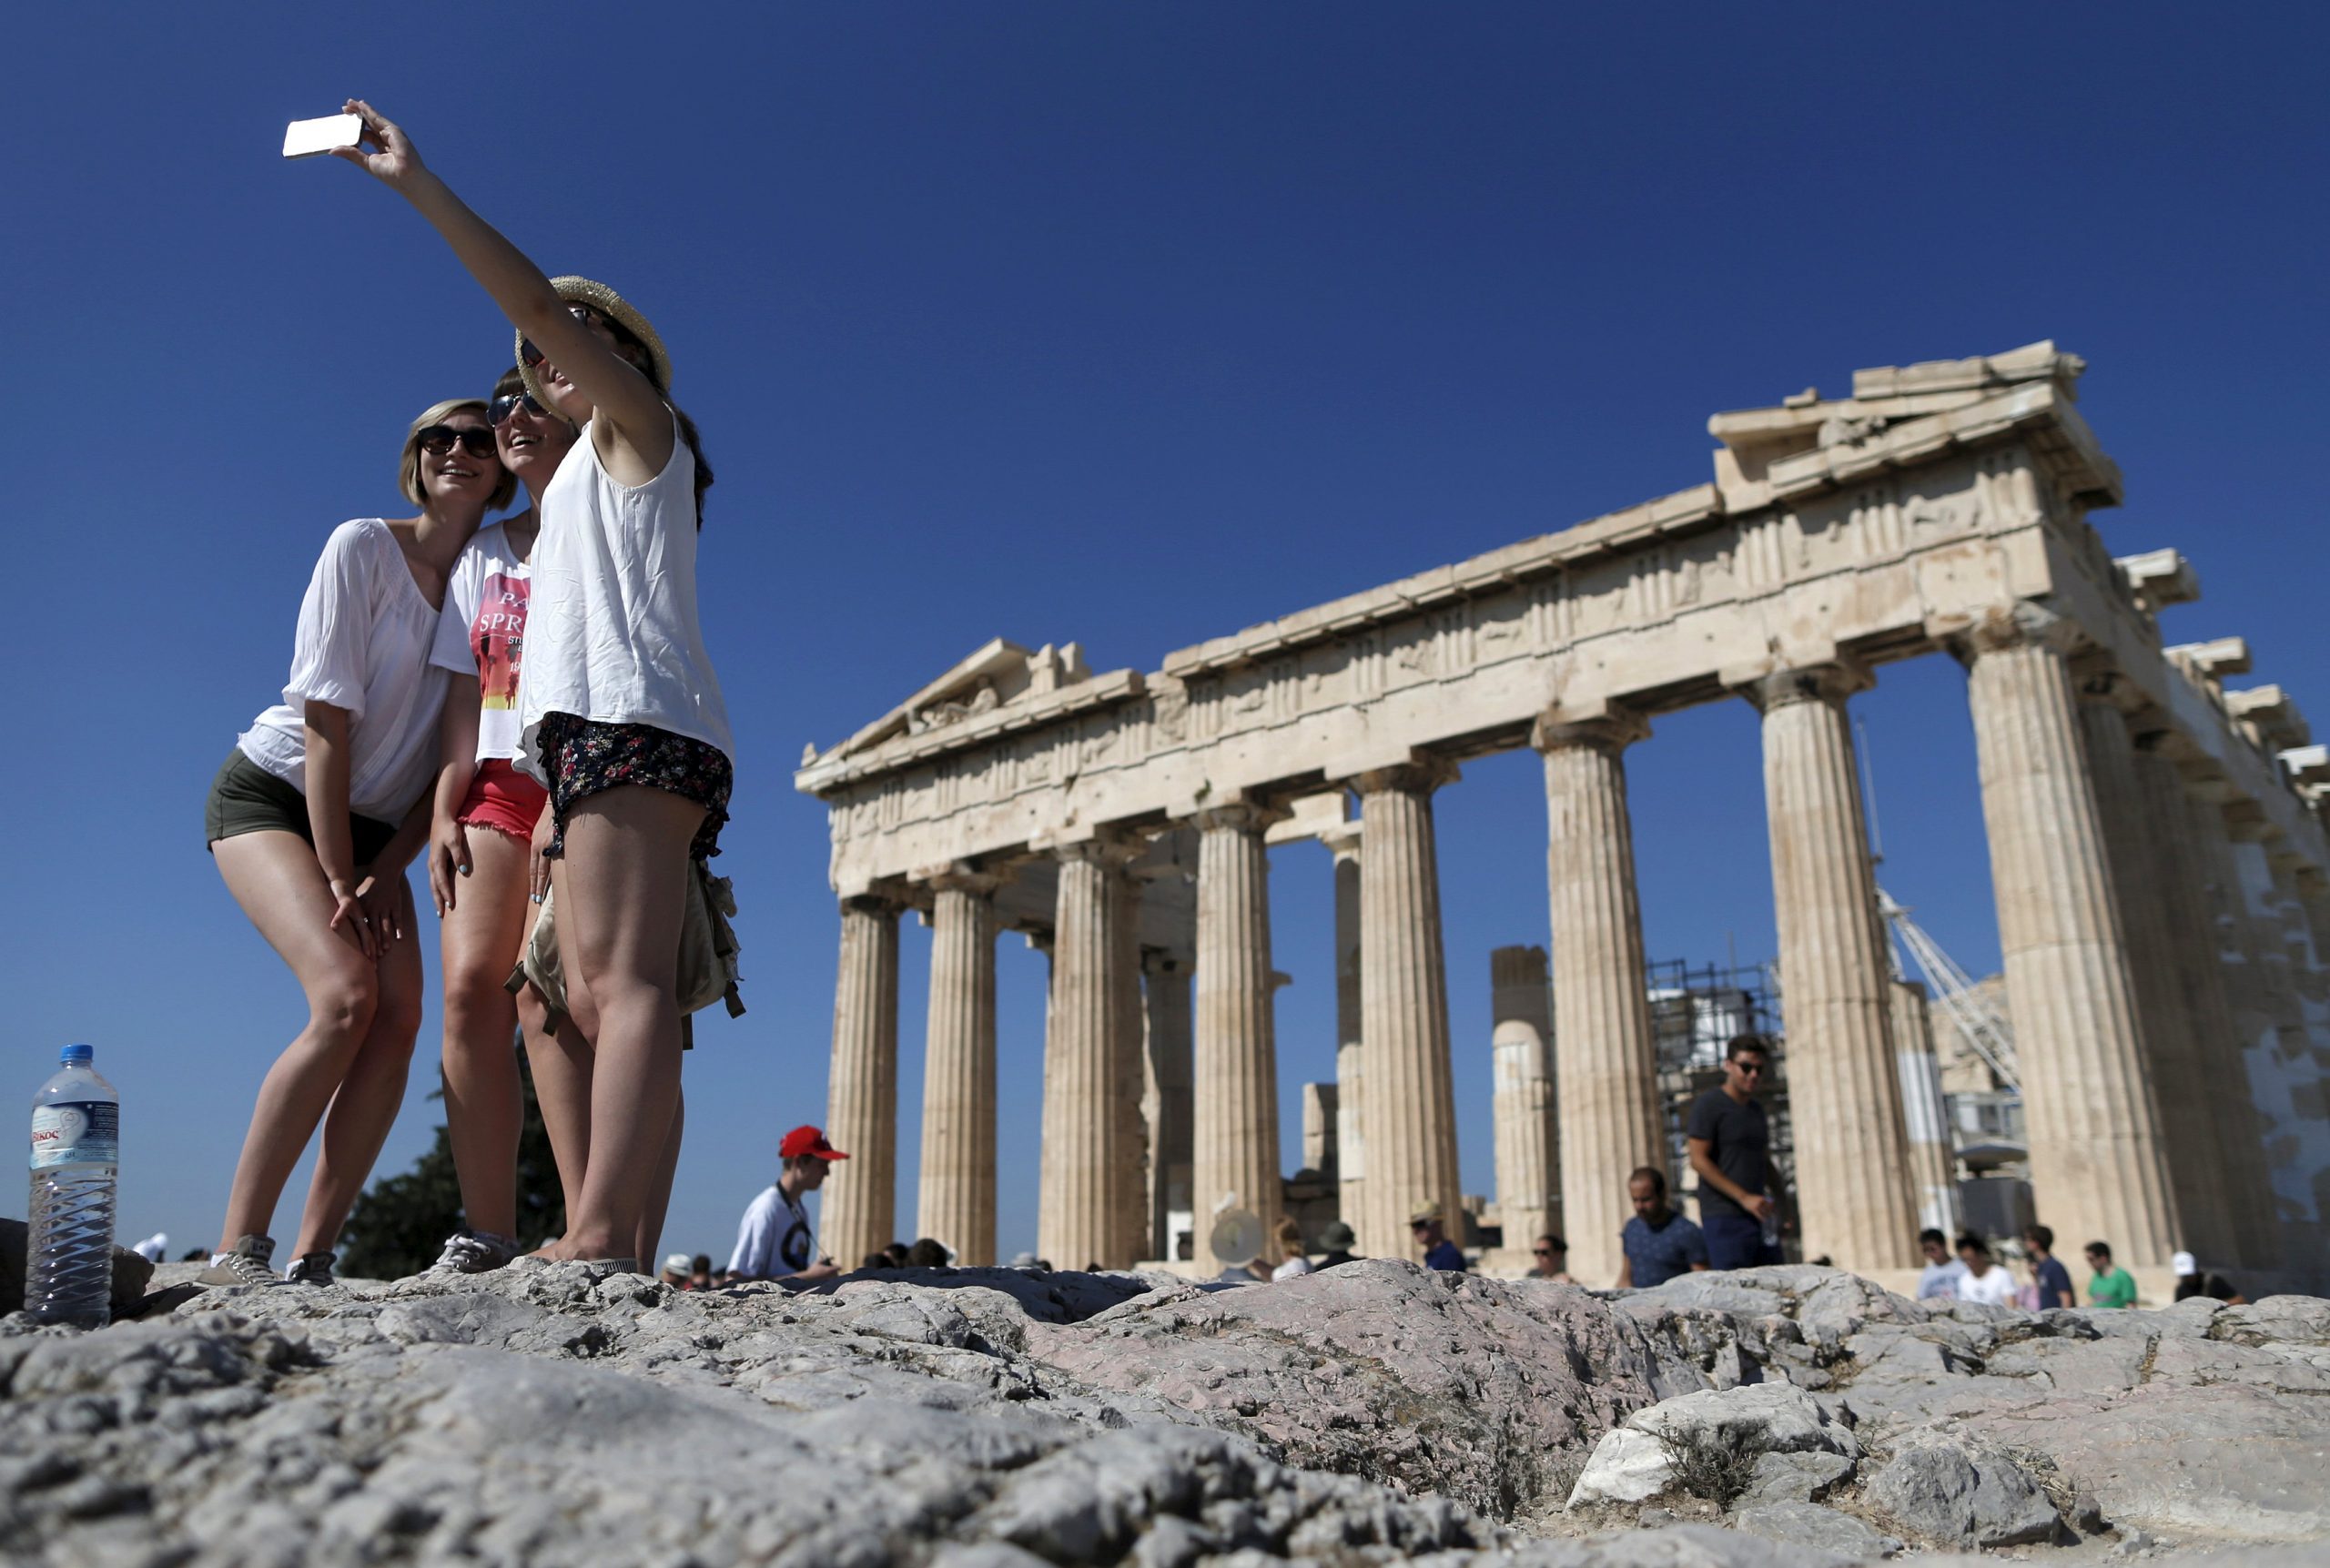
column 995, row 674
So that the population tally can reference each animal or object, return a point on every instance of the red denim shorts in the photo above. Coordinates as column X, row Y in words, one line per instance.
column 503, row 799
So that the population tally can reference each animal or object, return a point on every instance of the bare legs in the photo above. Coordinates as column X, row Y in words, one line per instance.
column 484, row 1106
column 351, row 1057
column 622, row 890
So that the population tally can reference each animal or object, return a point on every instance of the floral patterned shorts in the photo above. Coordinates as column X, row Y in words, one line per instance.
column 583, row 757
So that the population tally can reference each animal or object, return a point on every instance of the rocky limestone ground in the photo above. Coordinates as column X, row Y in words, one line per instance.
column 1005, row 1419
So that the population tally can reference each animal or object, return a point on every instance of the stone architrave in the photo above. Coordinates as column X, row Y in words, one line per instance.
column 2096, row 1163
column 1854, row 1190
column 1235, row 1155
column 1605, row 1065
column 1408, row 1112
column 1934, row 1162
column 1080, row 1197
column 1527, row 1142
column 1351, row 1142
column 958, row 1182
column 2140, row 887
column 1166, row 994
column 858, row 1210
column 2225, row 992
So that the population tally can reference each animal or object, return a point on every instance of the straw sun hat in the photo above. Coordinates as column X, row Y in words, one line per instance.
column 614, row 308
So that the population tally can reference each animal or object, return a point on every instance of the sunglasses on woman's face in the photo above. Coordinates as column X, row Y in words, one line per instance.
column 438, row 439
column 531, row 356
column 498, row 412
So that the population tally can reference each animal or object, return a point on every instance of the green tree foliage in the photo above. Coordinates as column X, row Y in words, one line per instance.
column 401, row 1222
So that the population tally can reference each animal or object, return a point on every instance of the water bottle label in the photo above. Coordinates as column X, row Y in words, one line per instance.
column 76, row 1132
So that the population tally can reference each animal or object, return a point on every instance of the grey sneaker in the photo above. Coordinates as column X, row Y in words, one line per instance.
column 311, row 1269
column 245, row 1264
column 474, row 1252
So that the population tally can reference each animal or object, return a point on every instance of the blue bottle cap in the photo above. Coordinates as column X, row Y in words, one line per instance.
column 75, row 1055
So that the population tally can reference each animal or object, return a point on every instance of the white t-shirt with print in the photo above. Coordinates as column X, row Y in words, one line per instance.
column 1994, row 1289
column 483, row 633
column 776, row 1238
column 363, row 643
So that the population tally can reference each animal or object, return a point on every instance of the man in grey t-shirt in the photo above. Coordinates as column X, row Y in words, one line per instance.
column 1730, row 1146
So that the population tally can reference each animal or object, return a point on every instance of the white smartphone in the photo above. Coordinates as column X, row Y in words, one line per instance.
column 305, row 138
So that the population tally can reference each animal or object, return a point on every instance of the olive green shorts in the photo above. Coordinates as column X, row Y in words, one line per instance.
column 246, row 798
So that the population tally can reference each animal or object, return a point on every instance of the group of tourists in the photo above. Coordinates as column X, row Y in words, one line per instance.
column 529, row 704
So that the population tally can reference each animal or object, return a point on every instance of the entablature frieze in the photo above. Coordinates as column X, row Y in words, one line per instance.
column 1968, row 525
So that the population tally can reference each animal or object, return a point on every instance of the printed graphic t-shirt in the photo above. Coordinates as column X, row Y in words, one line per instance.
column 775, row 1239
column 483, row 633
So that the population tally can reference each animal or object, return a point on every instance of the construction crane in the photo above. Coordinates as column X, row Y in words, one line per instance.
column 1976, row 1022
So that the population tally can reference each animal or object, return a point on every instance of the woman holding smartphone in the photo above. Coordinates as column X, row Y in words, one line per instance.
column 481, row 861
column 620, row 713
column 312, row 821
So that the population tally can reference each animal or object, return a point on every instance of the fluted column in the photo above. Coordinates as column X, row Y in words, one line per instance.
column 1079, row 1218
column 2095, row 1147
column 1129, row 1165
column 1235, row 1157
column 1605, row 1065
column 958, row 1196
column 1853, row 1188
column 1350, row 1139
column 1408, row 1119
column 1934, row 1162
column 1527, row 1144
column 2132, row 842
column 2225, row 992
column 859, row 1208
column 1166, row 993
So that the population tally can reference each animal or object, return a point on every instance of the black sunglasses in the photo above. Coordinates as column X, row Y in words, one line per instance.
column 498, row 412
column 438, row 439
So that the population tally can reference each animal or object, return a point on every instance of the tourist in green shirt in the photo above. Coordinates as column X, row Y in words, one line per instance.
column 2110, row 1287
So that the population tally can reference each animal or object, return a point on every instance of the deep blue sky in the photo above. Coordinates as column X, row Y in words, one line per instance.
column 1118, row 324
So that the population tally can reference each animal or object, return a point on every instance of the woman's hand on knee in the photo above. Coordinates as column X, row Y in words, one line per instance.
column 382, row 899
column 350, row 918
column 538, row 857
column 449, row 862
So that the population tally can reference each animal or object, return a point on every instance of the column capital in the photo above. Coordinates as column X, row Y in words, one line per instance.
column 1108, row 851
column 956, row 877
column 1606, row 727
column 1829, row 681
column 878, row 903
column 1238, row 816
column 1344, row 840
column 2024, row 624
column 1423, row 773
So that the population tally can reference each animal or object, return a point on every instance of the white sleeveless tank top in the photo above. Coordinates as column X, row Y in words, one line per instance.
column 611, row 632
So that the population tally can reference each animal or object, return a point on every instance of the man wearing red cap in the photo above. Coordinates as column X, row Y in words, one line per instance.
column 775, row 1240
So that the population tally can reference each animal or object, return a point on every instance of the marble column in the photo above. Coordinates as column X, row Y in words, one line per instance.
column 1606, row 1067
column 1166, row 994
column 1933, row 1161
column 2131, row 841
column 1853, row 1183
column 1351, row 1142
column 1528, row 1200
column 1078, row 1216
column 2096, row 1164
column 1234, row 1159
column 1408, row 1117
column 1128, row 1164
column 957, row 1196
column 859, row 1206
column 2225, row 994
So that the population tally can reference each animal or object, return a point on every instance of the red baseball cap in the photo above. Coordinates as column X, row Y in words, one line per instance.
column 808, row 1141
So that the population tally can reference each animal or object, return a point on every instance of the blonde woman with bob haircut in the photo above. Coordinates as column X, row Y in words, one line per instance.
column 620, row 713
column 312, row 820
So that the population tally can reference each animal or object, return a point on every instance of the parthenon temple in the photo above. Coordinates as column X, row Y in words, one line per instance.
column 2157, row 854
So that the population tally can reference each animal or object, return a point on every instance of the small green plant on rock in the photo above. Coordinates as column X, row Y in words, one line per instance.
column 1710, row 1465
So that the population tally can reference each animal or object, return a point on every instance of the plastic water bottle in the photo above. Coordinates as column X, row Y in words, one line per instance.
column 76, row 1151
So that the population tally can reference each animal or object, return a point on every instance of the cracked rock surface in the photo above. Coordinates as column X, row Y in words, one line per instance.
column 995, row 1417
